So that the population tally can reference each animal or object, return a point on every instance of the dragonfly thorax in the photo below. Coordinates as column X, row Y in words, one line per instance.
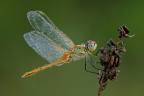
column 91, row 45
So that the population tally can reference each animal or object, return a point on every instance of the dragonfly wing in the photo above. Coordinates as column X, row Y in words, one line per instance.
column 39, row 21
column 44, row 46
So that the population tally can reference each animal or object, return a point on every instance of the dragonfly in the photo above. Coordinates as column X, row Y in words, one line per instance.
column 52, row 44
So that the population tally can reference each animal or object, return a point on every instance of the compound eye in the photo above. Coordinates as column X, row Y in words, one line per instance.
column 91, row 45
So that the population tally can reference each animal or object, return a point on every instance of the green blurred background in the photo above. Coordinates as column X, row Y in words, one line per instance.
column 81, row 20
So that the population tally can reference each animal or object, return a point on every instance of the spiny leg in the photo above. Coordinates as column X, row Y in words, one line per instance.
column 85, row 61
column 96, row 53
column 92, row 62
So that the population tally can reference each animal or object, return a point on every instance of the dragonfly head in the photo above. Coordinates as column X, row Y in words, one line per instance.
column 91, row 45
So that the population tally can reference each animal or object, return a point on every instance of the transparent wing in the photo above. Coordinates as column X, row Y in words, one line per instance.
column 39, row 21
column 44, row 46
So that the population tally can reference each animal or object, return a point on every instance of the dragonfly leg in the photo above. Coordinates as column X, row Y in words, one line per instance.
column 92, row 62
column 85, row 61
column 96, row 54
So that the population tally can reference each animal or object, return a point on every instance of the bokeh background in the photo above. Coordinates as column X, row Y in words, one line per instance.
column 81, row 20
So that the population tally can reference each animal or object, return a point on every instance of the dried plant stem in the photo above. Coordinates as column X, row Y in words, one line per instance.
column 99, row 91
